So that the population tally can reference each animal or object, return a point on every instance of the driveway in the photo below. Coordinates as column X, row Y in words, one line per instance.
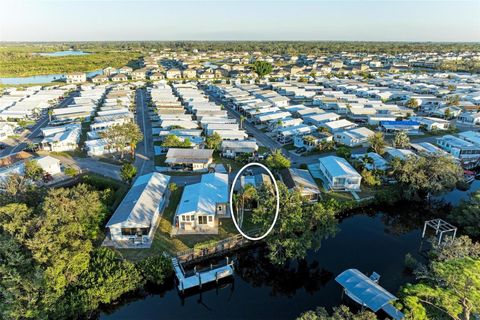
column 89, row 164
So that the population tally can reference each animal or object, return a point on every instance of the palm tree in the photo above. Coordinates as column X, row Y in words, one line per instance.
column 50, row 113
column 242, row 118
column 246, row 196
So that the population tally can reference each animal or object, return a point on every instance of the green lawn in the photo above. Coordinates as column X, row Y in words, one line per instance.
column 235, row 165
column 164, row 242
column 289, row 146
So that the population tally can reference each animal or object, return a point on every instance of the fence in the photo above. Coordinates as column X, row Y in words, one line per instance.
column 213, row 249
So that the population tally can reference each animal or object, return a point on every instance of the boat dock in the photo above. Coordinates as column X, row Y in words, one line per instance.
column 200, row 278
column 368, row 293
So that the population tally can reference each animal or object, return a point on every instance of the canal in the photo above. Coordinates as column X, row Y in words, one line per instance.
column 259, row 290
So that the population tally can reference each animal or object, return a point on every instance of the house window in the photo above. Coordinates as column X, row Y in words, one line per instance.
column 202, row 220
column 210, row 219
column 188, row 218
column 192, row 217
column 183, row 218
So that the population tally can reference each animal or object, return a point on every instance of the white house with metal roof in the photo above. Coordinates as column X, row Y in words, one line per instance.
column 202, row 204
column 354, row 137
column 135, row 220
column 338, row 174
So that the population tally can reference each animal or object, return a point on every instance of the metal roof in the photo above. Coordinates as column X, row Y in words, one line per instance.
column 368, row 292
column 141, row 203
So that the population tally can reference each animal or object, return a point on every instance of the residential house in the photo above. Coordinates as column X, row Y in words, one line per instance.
column 338, row 174
column 157, row 76
column 126, row 70
column 76, row 77
column 189, row 73
column 135, row 220
column 301, row 181
column 6, row 130
column 173, row 74
column 139, row 74
column 402, row 154
column 371, row 161
column 119, row 77
column 100, row 78
column 431, row 124
column 354, row 137
column 472, row 118
column 108, row 71
column 189, row 159
column 202, row 204
column 468, row 153
column 234, row 148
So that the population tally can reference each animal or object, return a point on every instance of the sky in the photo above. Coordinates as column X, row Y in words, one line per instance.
column 345, row 20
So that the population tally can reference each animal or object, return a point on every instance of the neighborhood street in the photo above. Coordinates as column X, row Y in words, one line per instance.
column 144, row 160
column 29, row 134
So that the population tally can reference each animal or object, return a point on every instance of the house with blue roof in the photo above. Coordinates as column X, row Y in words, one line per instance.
column 202, row 204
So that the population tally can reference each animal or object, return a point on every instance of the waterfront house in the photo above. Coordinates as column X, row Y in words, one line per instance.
column 135, row 220
column 126, row 70
column 338, row 174
column 202, row 204
column 301, row 181
column 468, row 153
column 76, row 77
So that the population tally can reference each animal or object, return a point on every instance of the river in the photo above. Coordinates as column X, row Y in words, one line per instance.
column 48, row 78
column 259, row 290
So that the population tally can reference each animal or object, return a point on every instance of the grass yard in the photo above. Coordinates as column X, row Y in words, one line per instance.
column 163, row 242
column 234, row 165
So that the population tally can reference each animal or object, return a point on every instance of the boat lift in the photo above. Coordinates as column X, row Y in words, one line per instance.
column 440, row 226
column 200, row 278
column 368, row 293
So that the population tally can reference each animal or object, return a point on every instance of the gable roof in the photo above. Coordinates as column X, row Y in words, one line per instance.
column 141, row 203
column 178, row 155
column 203, row 196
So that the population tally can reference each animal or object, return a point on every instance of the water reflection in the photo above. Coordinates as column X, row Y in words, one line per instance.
column 369, row 241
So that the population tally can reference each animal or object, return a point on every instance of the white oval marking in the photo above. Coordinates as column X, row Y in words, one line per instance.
column 277, row 195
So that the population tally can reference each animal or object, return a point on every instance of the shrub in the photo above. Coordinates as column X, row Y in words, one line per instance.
column 156, row 269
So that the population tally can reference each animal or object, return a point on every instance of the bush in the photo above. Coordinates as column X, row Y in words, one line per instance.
column 410, row 262
column 156, row 269
column 344, row 152
column 69, row 171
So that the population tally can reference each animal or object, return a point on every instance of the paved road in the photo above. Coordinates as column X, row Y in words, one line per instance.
column 33, row 132
column 145, row 154
column 93, row 165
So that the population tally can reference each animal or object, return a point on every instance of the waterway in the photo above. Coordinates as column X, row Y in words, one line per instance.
column 368, row 241
column 49, row 78
column 64, row 53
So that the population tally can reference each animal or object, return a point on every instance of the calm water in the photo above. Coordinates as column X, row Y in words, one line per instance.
column 41, row 78
column 261, row 290
column 64, row 53
column 456, row 196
